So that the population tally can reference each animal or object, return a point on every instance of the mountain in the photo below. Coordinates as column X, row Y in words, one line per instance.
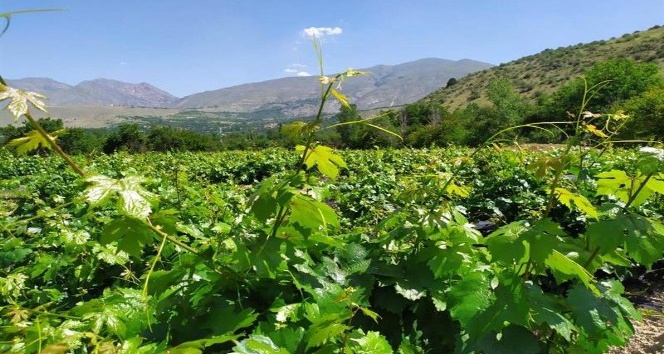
column 550, row 69
column 383, row 86
column 98, row 92
column 291, row 97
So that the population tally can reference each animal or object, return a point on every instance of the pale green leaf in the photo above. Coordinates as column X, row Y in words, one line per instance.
column 323, row 333
column 656, row 183
column 33, row 140
column 19, row 100
column 453, row 189
column 327, row 162
column 257, row 344
column 372, row 343
column 570, row 199
column 133, row 199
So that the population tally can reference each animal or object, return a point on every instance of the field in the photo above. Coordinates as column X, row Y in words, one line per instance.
column 436, row 250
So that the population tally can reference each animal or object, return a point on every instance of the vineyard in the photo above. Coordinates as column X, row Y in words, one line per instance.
column 493, row 249
column 410, row 251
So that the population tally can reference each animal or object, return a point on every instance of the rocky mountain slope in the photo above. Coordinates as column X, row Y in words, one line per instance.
column 383, row 86
column 550, row 69
column 100, row 92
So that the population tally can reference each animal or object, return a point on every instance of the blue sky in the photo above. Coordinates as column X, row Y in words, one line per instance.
column 185, row 47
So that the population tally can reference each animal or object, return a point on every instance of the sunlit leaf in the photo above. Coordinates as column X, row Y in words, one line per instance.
column 327, row 162
column 343, row 99
column 371, row 343
column 19, row 100
column 32, row 141
column 623, row 186
column 133, row 199
column 593, row 129
column 570, row 199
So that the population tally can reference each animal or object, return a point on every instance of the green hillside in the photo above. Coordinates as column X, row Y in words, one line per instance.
column 549, row 70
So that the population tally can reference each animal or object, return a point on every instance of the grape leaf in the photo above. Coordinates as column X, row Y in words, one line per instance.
column 131, row 235
column 321, row 333
column 603, row 323
column 33, row 140
column 570, row 199
column 545, row 309
column 506, row 246
column 372, row 342
column 606, row 235
column 644, row 238
column 258, row 344
column 469, row 296
column 20, row 99
column 512, row 340
column 133, row 199
column 327, row 162
column 563, row 268
column 622, row 186
column 312, row 214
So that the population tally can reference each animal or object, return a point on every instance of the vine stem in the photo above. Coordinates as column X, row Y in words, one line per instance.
column 172, row 239
column 591, row 258
column 632, row 197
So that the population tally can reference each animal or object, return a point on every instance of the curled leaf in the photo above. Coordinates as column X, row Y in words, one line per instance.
column 343, row 99
column 593, row 129
column 19, row 100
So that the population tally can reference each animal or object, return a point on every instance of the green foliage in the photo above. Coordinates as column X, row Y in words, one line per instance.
column 369, row 252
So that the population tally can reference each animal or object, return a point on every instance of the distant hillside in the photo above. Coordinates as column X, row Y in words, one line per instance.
column 384, row 86
column 89, row 103
column 549, row 70
column 100, row 92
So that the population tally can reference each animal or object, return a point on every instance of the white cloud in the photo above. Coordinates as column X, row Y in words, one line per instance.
column 297, row 69
column 319, row 32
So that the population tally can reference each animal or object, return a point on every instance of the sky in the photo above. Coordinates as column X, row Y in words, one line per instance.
column 185, row 47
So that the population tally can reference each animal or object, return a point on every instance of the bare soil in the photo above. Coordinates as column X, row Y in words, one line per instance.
column 649, row 332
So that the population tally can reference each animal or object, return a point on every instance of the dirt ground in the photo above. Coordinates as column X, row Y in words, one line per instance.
column 649, row 333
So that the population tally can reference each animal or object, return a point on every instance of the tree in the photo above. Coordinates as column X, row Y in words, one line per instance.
column 647, row 115
column 510, row 107
column 128, row 137
column 614, row 82
column 349, row 133
column 451, row 82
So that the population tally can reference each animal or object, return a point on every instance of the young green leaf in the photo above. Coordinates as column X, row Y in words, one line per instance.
column 327, row 162
column 33, row 140
column 134, row 200
column 582, row 203
column 20, row 100
column 371, row 343
column 563, row 268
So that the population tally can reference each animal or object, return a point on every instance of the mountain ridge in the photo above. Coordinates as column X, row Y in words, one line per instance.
column 383, row 86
